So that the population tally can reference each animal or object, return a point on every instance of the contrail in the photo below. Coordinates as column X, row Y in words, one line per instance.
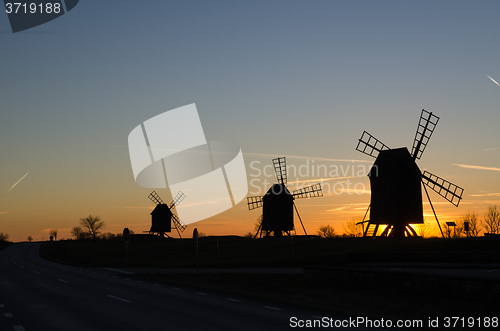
column 477, row 167
column 494, row 81
column 16, row 183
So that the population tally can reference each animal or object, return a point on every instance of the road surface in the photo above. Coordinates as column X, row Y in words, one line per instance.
column 36, row 294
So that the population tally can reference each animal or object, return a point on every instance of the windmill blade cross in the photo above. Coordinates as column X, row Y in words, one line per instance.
column 425, row 128
column 177, row 200
column 370, row 145
column 155, row 198
column 280, row 169
column 254, row 202
column 444, row 188
column 178, row 223
column 308, row 192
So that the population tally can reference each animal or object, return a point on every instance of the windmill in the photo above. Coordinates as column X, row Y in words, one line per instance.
column 277, row 204
column 395, row 180
column 162, row 216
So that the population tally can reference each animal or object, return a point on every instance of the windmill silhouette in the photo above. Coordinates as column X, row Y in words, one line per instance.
column 162, row 216
column 277, row 204
column 395, row 180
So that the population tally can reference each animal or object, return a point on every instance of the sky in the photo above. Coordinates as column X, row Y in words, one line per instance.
column 300, row 79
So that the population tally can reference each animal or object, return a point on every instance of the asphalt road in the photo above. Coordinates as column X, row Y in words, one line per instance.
column 36, row 294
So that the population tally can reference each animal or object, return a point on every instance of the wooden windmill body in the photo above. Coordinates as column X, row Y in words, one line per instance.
column 396, row 183
column 161, row 219
column 277, row 210
column 162, row 216
column 278, row 203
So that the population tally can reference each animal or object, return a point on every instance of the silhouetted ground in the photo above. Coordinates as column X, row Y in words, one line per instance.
column 4, row 244
column 237, row 252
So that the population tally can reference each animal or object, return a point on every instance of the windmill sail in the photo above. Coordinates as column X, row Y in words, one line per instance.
column 254, row 202
column 308, row 192
column 425, row 128
column 178, row 223
column 370, row 145
column 177, row 200
column 444, row 188
column 156, row 198
column 280, row 169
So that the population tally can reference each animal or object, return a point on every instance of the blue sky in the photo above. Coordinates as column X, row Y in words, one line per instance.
column 280, row 78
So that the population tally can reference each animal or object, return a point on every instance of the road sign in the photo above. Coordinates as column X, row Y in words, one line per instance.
column 126, row 235
column 195, row 237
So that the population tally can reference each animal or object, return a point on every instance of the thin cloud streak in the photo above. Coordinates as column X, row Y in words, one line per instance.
column 308, row 158
column 16, row 183
column 348, row 191
column 494, row 81
column 486, row 195
column 314, row 181
column 477, row 167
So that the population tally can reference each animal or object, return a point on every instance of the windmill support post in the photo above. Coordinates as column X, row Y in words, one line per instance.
column 300, row 219
column 258, row 231
column 364, row 217
column 126, row 254
column 428, row 198
column 363, row 221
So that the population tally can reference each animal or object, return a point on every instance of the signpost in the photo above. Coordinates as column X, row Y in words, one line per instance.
column 195, row 237
column 454, row 225
column 126, row 238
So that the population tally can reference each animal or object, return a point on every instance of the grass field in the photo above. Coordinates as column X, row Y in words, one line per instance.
column 238, row 252
column 147, row 251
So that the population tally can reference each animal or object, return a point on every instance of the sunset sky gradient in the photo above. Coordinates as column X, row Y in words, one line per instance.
column 300, row 79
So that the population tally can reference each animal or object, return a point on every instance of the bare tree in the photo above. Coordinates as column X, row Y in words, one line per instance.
column 423, row 229
column 79, row 233
column 109, row 236
column 30, row 239
column 491, row 221
column 458, row 229
column 53, row 233
column 326, row 231
column 92, row 224
column 256, row 228
column 352, row 229
column 473, row 221
column 4, row 236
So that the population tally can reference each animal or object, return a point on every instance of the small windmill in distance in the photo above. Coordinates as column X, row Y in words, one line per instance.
column 278, row 205
column 162, row 216
column 395, row 180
